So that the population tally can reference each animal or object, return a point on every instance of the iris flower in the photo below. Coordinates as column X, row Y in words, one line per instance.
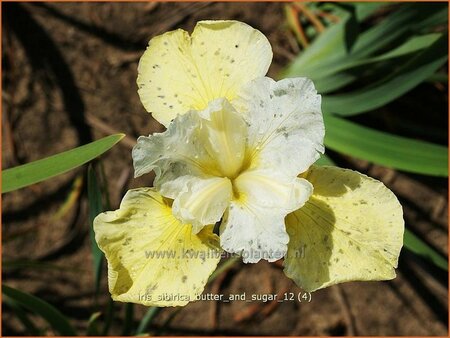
column 238, row 153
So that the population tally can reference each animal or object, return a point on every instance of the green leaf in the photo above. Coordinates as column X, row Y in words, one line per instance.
column 386, row 149
column 331, row 49
column 393, row 27
column 22, row 316
column 350, row 70
column 56, row 320
column 92, row 329
column 95, row 207
column 40, row 170
column 152, row 312
column 393, row 86
column 128, row 322
column 109, row 317
column 228, row 264
column 325, row 160
column 327, row 48
column 419, row 247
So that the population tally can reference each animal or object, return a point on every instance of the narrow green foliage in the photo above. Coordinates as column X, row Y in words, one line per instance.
column 386, row 149
column 419, row 247
column 40, row 170
column 56, row 319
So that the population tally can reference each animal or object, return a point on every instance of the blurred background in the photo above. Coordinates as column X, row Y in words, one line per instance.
column 69, row 74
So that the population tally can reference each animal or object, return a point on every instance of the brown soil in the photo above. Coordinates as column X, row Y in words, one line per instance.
column 69, row 74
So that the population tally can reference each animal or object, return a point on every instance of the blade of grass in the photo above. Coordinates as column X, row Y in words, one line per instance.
column 40, row 170
column 147, row 320
column 295, row 25
column 71, row 199
column 386, row 149
column 55, row 318
column 95, row 207
column 325, row 160
column 348, row 71
column 92, row 329
column 326, row 48
column 128, row 322
column 109, row 317
column 23, row 317
column 393, row 86
column 228, row 264
column 419, row 247
column 331, row 49
column 318, row 25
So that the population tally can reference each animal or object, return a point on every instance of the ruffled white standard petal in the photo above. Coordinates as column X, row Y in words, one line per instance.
column 179, row 72
column 193, row 160
column 285, row 124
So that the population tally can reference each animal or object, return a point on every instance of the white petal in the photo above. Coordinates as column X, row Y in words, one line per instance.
column 201, row 201
column 191, row 159
column 285, row 123
column 254, row 225
column 269, row 189
column 254, row 232
column 179, row 72
column 176, row 152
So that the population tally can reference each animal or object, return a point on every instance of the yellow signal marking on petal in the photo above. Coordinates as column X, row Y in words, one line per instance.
column 351, row 229
column 223, row 133
column 147, row 250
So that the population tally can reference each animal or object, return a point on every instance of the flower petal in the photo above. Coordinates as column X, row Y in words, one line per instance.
column 191, row 159
column 268, row 188
column 224, row 130
column 350, row 229
column 200, row 201
column 178, row 151
column 285, row 123
column 178, row 73
column 254, row 224
column 152, row 258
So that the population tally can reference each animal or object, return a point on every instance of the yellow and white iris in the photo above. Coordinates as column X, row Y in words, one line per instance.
column 239, row 149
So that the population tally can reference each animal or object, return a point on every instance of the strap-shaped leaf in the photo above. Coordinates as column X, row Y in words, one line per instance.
column 386, row 149
column 40, row 170
column 55, row 318
column 351, row 70
column 95, row 207
column 393, row 86
column 419, row 247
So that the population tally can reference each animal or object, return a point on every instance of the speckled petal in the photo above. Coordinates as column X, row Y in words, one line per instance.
column 153, row 259
column 193, row 159
column 179, row 72
column 351, row 229
column 285, row 124
column 254, row 224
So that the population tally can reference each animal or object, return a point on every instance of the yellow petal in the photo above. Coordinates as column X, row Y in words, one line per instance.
column 179, row 72
column 153, row 259
column 351, row 229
